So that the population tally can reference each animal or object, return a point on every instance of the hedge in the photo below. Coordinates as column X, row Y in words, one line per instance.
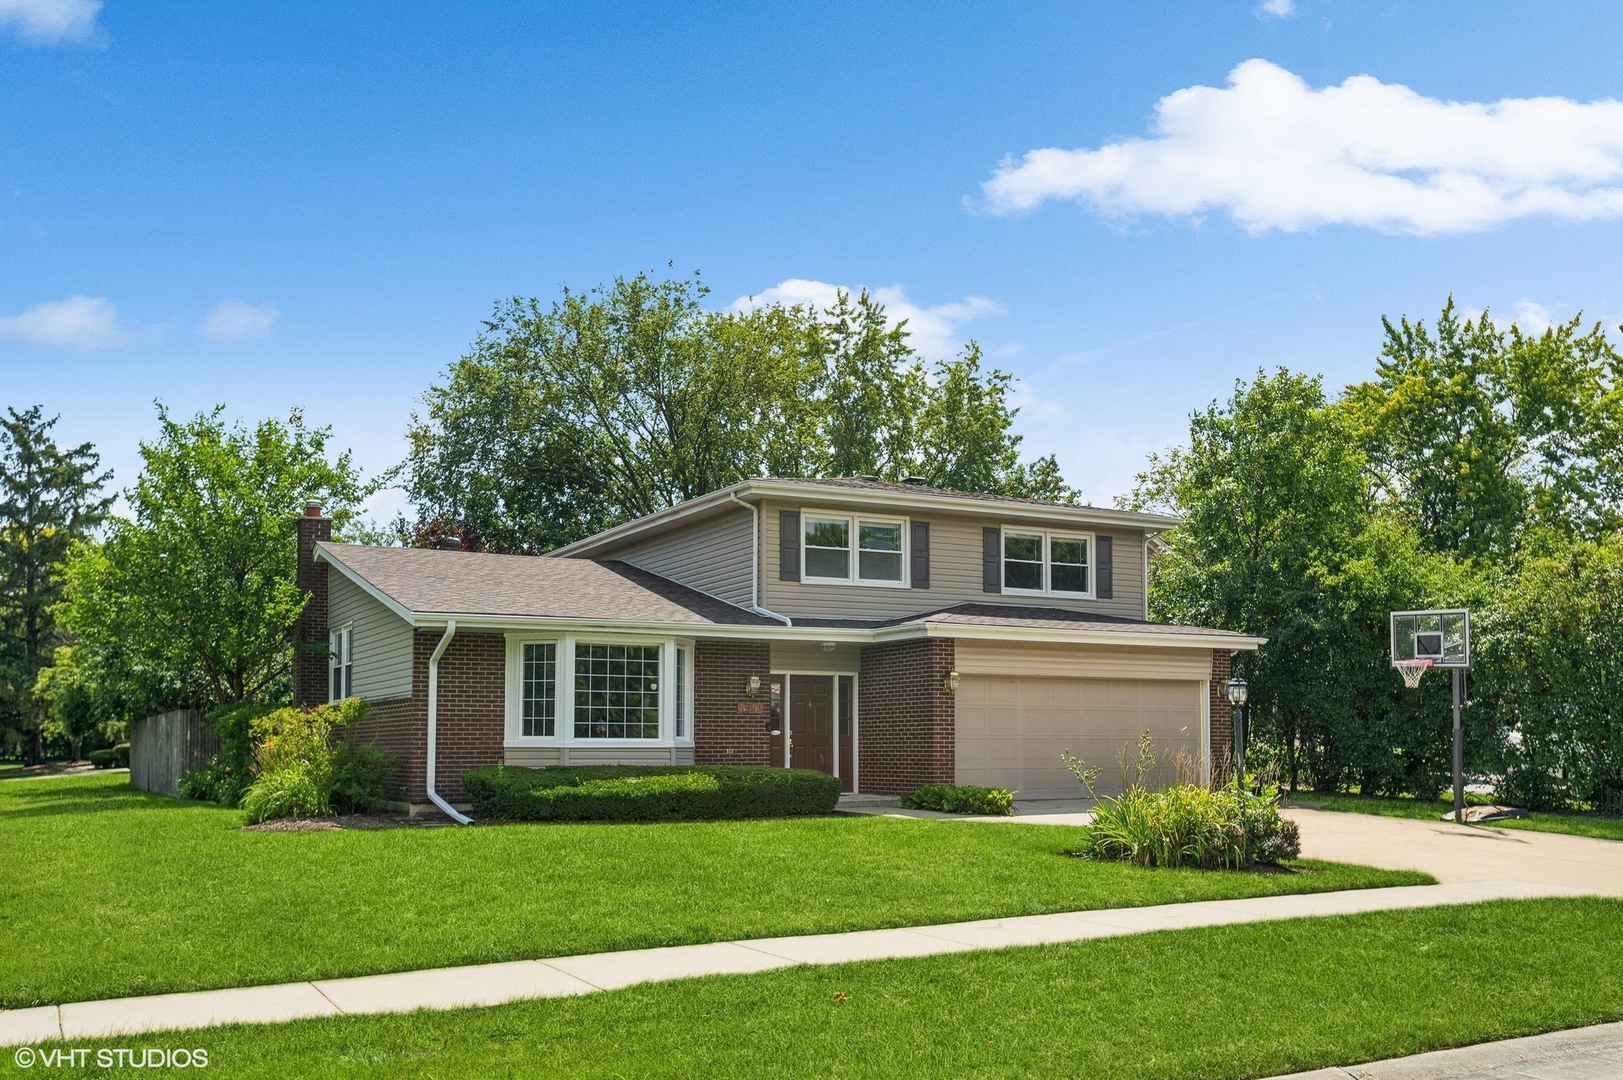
column 951, row 799
column 649, row 792
column 117, row 757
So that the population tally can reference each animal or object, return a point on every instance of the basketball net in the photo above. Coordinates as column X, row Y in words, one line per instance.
column 1411, row 670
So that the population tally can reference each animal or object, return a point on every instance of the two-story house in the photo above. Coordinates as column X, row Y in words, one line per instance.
column 889, row 634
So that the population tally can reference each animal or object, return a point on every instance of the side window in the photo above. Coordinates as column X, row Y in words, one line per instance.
column 340, row 664
column 1023, row 561
column 828, row 548
column 681, row 724
column 540, row 688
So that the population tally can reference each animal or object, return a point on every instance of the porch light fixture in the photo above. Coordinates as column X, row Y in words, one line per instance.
column 952, row 682
column 1236, row 690
column 752, row 685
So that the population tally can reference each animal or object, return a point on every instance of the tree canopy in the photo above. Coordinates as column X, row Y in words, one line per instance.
column 194, row 597
column 570, row 417
column 50, row 497
column 1477, row 466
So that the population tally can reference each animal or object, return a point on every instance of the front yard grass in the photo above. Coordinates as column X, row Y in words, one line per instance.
column 109, row 892
column 1250, row 1000
column 1592, row 825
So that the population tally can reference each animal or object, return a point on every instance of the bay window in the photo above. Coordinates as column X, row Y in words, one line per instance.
column 616, row 691
column 539, row 704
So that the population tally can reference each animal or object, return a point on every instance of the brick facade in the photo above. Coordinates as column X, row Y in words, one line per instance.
column 471, row 726
column 310, row 643
column 722, row 735
column 1222, row 723
column 907, row 726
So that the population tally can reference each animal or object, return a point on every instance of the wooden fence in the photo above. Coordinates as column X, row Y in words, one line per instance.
column 165, row 747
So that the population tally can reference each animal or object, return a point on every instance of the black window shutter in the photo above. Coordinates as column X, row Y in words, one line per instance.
column 992, row 559
column 789, row 545
column 1105, row 589
column 921, row 555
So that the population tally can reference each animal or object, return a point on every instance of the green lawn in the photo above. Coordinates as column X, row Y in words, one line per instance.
column 1595, row 825
column 1237, row 1001
column 107, row 891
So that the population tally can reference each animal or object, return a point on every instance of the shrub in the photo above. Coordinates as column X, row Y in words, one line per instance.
column 1190, row 825
column 950, row 799
column 358, row 775
column 115, row 757
column 649, row 793
column 298, row 768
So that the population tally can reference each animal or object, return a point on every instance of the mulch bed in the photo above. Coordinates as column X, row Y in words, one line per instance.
column 338, row 823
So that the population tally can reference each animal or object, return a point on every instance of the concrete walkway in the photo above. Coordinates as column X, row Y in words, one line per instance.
column 1592, row 1053
column 494, row 984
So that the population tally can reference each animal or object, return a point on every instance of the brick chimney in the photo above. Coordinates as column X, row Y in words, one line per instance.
column 310, row 644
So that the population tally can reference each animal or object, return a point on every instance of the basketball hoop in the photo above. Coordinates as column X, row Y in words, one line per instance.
column 1411, row 670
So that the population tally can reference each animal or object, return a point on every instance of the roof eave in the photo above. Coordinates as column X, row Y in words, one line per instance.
column 1194, row 638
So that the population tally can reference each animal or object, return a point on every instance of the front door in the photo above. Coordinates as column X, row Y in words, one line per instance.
column 811, row 722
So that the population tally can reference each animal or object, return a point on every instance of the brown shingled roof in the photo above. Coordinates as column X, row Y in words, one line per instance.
column 434, row 582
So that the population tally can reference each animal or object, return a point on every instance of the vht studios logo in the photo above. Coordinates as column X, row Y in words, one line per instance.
column 111, row 1057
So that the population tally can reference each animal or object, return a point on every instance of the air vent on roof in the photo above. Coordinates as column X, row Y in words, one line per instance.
column 870, row 479
column 450, row 543
column 916, row 481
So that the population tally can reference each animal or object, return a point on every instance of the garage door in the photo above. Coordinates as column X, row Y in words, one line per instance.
column 1011, row 730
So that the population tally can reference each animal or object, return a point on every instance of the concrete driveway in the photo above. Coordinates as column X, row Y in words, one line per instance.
column 1457, row 853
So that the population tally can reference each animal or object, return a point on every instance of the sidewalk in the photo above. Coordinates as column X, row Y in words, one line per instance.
column 1592, row 1053
column 495, row 984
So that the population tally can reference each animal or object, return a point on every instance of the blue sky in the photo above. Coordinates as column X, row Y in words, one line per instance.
column 316, row 205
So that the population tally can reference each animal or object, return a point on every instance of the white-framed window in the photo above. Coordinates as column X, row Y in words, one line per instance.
column 616, row 691
column 538, row 689
column 1047, row 563
column 682, row 688
column 340, row 663
column 843, row 548
column 598, row 689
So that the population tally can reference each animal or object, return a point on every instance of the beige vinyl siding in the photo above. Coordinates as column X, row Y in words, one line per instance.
column 808, row 657
column 381, row 645
column 712, row 556
column 955, row 571
column 1081, row 661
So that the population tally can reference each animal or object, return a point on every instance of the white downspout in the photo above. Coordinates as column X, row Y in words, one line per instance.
column 433, row 722
column 755, row 560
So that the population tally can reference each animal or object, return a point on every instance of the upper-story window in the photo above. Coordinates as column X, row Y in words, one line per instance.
column 876, row 559
column 340, row 664
column 1045, row 562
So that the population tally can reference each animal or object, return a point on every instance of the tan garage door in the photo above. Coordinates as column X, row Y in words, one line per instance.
column 1011, row 730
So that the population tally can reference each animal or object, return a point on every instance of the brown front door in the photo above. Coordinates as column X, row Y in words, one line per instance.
column 811, row 722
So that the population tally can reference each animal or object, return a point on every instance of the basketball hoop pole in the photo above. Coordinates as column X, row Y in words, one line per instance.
column 1459, row 749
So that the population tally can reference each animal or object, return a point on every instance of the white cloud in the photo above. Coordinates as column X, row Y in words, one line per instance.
column 933, row 331
column 1274, row 153
column 85, row 323
column 1531, row 318
column 233, row 320
column 51, row 22
column 1278, row 9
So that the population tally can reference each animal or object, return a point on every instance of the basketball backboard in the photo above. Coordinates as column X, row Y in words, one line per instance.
column 1442, row 636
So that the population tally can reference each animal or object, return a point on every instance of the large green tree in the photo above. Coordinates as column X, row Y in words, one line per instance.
column 50, row 497
column 196, row 592
column 569, row 417
column 1474, row 432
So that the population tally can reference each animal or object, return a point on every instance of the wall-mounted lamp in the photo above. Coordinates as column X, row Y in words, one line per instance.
column 952, row 682
column 828, row 646
column 752, row 685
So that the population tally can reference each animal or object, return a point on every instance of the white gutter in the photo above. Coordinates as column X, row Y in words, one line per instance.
column 755, row 560
column 433, row 722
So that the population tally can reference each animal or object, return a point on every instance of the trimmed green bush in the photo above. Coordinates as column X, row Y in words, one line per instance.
column 302, row 770
column 359, row 771
column 968, row 799
column 114, row 757
column 649, row 792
